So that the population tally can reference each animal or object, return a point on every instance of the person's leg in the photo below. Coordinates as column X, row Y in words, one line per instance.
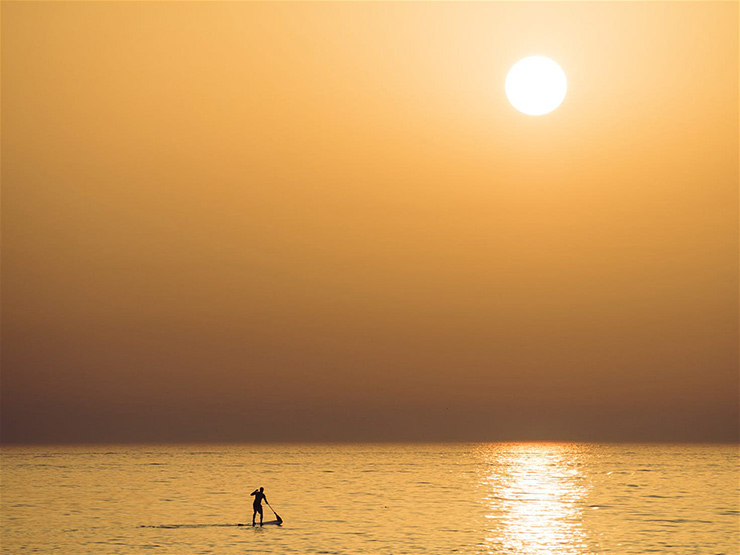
column 254, row 514
column 261, row 514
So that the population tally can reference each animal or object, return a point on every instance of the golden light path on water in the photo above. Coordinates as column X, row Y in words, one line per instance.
column 535, row 496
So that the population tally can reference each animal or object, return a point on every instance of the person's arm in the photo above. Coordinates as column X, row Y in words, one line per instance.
column 265, row 498
column 254, row 492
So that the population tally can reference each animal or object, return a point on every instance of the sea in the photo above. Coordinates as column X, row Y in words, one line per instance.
column 482, row 498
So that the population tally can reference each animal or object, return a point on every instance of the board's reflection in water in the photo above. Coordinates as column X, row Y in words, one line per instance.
column 535, row 498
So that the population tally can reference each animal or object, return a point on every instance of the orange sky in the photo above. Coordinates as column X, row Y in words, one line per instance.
column 324, row 221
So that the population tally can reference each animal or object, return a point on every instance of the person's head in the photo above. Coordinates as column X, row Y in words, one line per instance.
column 262, row 489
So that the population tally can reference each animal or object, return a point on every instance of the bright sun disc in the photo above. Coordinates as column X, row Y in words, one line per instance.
column 536, row 85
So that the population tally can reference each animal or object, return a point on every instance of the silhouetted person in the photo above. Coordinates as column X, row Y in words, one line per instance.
column 257, row 505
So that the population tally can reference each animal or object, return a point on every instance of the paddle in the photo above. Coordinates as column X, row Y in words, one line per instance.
column 277, row 516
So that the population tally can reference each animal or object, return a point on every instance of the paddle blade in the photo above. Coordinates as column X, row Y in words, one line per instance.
column 277, row 516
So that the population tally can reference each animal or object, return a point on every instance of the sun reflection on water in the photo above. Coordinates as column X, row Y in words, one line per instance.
column 534, row 499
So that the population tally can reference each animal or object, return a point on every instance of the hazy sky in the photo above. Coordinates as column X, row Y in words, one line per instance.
column 324, row 221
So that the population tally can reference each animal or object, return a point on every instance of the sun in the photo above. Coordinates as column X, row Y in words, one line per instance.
column 536, row 85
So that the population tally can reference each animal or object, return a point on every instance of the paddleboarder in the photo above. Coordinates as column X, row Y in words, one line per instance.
column 259, row 496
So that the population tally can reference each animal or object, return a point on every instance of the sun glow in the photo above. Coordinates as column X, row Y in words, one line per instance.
column 536, row 85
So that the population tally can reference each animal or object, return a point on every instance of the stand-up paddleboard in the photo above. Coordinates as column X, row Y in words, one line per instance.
column 267, row 523
column 175, row 526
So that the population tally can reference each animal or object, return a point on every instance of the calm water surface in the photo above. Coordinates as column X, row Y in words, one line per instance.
column 380, row 499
